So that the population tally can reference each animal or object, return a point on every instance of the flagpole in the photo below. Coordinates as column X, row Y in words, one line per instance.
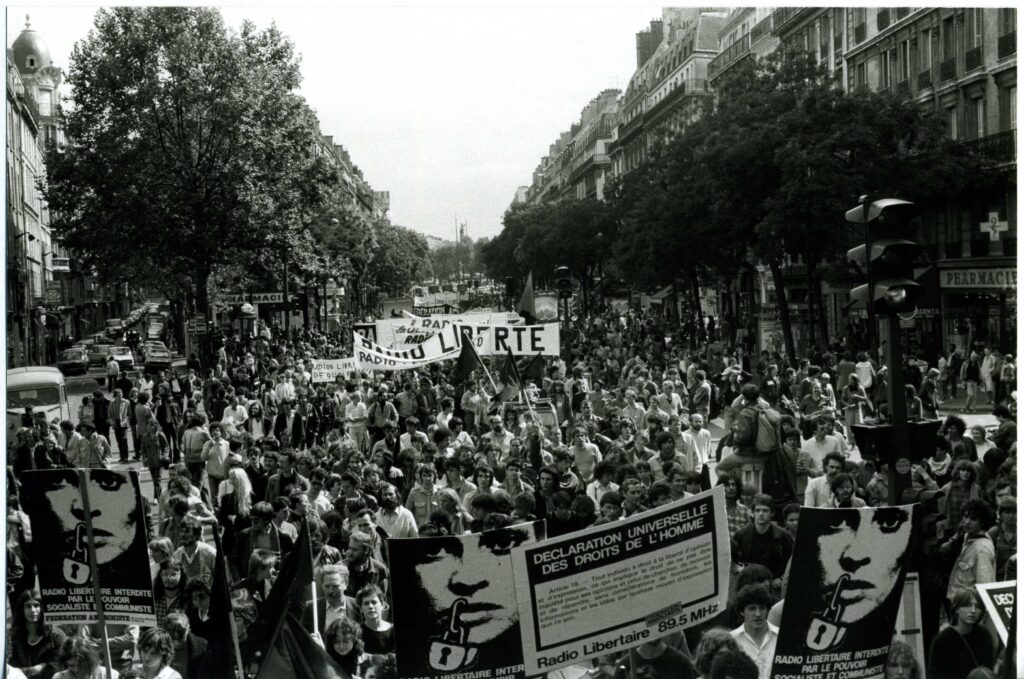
column 239, row 670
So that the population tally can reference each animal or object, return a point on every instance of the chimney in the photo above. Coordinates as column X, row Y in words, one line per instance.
column 647, row 41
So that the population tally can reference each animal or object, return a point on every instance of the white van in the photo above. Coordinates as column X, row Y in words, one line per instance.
column 41, row 387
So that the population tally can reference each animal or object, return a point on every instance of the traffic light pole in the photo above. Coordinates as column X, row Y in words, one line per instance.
column 899, row 474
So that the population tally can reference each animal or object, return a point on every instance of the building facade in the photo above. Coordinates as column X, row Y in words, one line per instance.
column 962, row 64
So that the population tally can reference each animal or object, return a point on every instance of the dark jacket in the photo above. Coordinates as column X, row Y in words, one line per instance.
column 188, row 660
column 296, row 438
column 243, row 549
column 351, row 612
column 780, row 551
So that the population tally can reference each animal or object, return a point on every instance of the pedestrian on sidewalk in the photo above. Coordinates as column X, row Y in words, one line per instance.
column 970, row 374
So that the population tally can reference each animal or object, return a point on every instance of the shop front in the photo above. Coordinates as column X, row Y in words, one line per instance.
column 979, row 305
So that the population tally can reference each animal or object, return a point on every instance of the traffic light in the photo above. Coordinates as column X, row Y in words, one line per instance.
column 887, row 256
column 563, row 281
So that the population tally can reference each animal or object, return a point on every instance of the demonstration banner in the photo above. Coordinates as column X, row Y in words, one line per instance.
column 326, row 370
column 999, row 599
column 522, row 340
column 844, row 594
column 367, row 330
column 608, row 588
column 66, row 506
column 455, row 603
column 410, row 330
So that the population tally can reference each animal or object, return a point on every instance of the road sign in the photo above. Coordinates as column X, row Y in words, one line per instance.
column 197, row 324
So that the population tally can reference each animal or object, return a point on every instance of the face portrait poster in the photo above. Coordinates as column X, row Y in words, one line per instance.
column 844, row 595
column 609, row 588
column 53, row 499
column 455, row 603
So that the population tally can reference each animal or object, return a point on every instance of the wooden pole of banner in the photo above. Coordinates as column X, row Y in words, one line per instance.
column 83, row 484
column 316, row 620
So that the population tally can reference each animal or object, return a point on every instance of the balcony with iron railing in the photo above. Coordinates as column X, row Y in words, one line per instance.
column 902, row 88
column 972, row 59
column 1007, row 44
column 924, row 79
column 947, row 69
column 902, row 12
column 762, row 28
column 1000, row 147
column 732, row 53
column 787, row 15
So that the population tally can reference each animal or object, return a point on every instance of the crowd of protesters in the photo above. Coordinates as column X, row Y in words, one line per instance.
column 624, row 422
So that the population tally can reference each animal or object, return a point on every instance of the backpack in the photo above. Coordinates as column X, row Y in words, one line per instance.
column 767, row 439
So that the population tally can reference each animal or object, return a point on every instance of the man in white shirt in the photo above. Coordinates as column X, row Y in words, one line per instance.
column 412, row 433
column 822, row 443
column 819, row 490
column 285, row 390
column 393, row 517
column 235, row 415
column 698, row 443
column 756, row 636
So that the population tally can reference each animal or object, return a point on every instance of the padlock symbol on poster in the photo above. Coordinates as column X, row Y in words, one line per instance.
column 451, row 652
column 826, row 631
column 76, row 568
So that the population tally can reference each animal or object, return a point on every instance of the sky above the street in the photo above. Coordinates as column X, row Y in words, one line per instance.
column 448, row 107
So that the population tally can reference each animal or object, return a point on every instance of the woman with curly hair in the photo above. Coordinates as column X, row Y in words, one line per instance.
column 156, row 651
column 901, row 663
column 81, row 659
column 35, row 645
column 713, row 642
column 169, row 589
column 344, row 643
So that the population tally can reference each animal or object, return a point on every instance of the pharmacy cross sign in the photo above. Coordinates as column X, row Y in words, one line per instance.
column 993, row 226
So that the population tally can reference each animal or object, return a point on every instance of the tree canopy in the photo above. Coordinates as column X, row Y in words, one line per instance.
column 188, row 149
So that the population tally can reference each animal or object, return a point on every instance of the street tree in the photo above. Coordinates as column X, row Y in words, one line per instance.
column 188, row 146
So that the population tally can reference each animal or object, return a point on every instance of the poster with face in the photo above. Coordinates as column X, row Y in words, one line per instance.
column 455, row 603
column 56, row 502
column 841, row 605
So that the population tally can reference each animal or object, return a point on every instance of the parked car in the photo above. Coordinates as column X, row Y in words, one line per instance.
column 124, row 357
column 157, row 359
column 74, row 361
column 98, row 354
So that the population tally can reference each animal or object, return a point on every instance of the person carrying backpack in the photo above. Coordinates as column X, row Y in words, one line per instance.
column 755, row 432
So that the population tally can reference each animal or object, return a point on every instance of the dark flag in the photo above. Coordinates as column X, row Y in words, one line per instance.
column 466, row 363
column 511, row 380
column 705, row 478
column 296, row 654
column 534, row 370
column 219, row 660
column 287, row 648
column 527, row 303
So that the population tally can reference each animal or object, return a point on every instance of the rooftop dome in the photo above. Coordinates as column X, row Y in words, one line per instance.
column 30, row 51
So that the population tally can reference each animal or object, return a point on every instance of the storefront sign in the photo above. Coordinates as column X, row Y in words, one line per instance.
column 986, row 279
column 255, row 298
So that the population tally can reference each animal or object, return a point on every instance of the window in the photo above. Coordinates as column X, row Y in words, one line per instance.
column 1011, row 95
column 948, row 39
column 1007, row 21
column 951, row 122
column 885, row 69
column 978, row 114
column 903, row 61
column 823, row 36
column 975, row 25
column 925, row 50
column 862, row 75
